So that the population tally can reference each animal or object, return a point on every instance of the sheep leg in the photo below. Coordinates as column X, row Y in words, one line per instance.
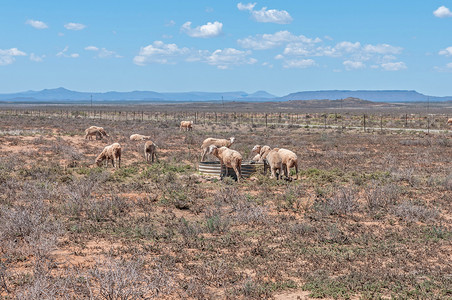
column 203, row 154
column 296, row 171
column 119, row 161
column 237, row 172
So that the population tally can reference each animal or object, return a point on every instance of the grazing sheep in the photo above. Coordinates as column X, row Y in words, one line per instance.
column 187, row 125
column 215, row 142
column 271, row 159
column 257, row 157
column 229, row 159
column 139, row 137
column 449, row 121
column 113, row 153
column 95, row 131
column 150, row 151
column 289, row 160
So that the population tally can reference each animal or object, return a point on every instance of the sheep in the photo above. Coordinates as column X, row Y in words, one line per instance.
column 95, row 131
column 187, row 125
column 215, row 142
column 449, row 121
column 289, row 160
column 113, row 153
column 229, row 159
column 150, row 150
column 139, row 137
column 271, row 158
column 256, row 158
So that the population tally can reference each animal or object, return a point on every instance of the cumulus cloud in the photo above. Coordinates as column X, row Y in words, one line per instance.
column 74, row 26
column 299, row 63
column 7, row 56
column 265, row 15
column 37, row 24
column 63, row 53
column 442, row 12
column 102, row 52
column 394, row 66
column 267, row 41
column 225, row 58
column 36, row 58
column 91, row 48
column 249, row 6
column 382, row 49
column 204, row 31
column 159, row 52
column 446, row 52
column 353, row 65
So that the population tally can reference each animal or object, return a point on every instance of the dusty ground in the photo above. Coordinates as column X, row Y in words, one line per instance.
column 370, row 216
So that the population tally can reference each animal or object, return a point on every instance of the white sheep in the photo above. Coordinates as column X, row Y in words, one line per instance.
column 111, row 152
column 187, row 125
column 289, row 160
column 449, row 121
column 139, row 137
column 215, row 142
column 228, row 159
column 271, row 159
column 95, row 131
column 150, row 151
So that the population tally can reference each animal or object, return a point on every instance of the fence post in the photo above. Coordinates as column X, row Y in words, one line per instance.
column 266, row 124
column 364, row 123
column 324, row 118
column 381, row 122
column 406, row 120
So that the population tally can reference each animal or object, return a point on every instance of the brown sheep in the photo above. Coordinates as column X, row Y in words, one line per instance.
column 139, row 137
column 150, row 151
column 228, row 159
column 215, row 142
column 289, row 160
column 187, row 125
column 113, row 153
column 95, row 131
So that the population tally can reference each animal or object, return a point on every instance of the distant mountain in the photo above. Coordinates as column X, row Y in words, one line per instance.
column 62, row 94
column 378, row 96
column 65, row 95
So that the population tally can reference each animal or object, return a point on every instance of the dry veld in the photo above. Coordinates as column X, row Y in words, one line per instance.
column 370, row 216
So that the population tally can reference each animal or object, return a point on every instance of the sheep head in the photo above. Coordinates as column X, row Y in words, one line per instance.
column 256, row 149
column 264, row 151
column 232, row 139
column 103, row 132
column 213, row 149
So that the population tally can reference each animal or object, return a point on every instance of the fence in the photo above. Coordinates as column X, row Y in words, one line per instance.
column 392, row 121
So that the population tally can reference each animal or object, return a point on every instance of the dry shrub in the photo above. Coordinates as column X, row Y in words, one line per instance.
column 412, row 212
column 380, row 196
column 343, row 202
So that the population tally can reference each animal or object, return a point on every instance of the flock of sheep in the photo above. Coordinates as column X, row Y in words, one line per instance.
column 279, row 160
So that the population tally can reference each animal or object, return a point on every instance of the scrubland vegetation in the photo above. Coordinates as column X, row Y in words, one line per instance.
column 369, row 217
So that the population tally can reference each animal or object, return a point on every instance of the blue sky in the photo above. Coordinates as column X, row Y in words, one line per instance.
column 279, row 46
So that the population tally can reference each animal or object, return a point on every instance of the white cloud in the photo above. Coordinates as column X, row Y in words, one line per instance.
column 225, row 58
column 301, row 64
column 267, row 41
column 7, row 56
column 353, row 65
column 63, row 53
column 36, row 58
column 446, row 52
column 102, row 52
column 265, row 15
column 442, row 12
column 37, row 24
column 249, row 6
column 91, row 48
column 449, row 66
column 382, row 49
column 74, row 26
column 395, row 66
column 159, row 52
column 204, row 31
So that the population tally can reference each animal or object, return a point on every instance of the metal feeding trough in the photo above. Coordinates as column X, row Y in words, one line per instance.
column 213, row 168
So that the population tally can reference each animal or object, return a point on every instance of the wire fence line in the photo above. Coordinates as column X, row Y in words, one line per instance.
column 365, row 121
